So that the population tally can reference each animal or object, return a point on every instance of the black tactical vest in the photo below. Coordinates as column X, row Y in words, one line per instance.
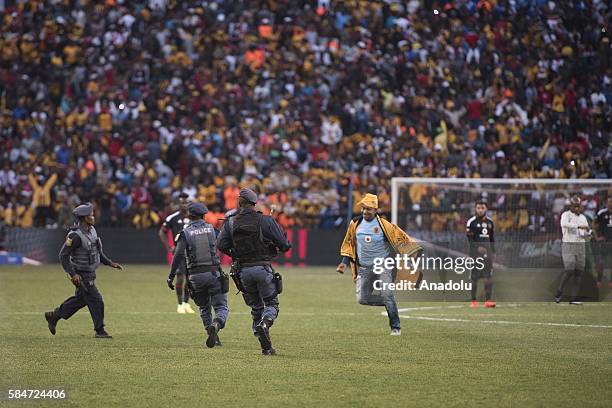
column 201, row 244
column 87, row 256
column 249, row 243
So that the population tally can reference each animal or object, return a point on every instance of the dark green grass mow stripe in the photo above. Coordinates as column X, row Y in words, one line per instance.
column 332, row 352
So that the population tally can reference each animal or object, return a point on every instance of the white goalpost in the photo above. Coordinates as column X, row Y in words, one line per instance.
column 526, row 215
column 576, row 186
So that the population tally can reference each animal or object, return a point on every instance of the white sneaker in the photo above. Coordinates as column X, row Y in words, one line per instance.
column 181, row 309
column 396, row 332
column 187, row 308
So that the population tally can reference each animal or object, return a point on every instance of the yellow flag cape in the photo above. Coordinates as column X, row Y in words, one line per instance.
column 402, row 244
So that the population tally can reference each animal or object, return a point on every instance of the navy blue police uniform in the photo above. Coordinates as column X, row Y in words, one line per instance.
column 253, row 240
column 196, row 246
column 82, row 254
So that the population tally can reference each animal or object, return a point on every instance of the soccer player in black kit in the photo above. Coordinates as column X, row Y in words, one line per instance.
column 604, row 242
column 480, row 234
column 175, row 223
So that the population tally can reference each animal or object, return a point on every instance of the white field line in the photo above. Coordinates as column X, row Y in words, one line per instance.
column 448, row 319
column 407, row 309
column 412, row 309
column 504, row 305
column 444, row 319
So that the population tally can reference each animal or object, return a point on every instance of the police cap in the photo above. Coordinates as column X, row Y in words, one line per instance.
column 197, row 209
column 83, row 210
column 248, row 195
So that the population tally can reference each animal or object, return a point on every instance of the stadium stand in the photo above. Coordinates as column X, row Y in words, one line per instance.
column 124, row 103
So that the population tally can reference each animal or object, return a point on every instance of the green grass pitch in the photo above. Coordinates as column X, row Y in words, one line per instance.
column 332, row 351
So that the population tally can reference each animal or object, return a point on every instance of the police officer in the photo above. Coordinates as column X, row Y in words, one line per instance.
column 253, row 240
column 80, row 256
column 196, row 244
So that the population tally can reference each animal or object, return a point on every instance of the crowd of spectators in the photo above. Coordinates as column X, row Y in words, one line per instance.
column 126, row 103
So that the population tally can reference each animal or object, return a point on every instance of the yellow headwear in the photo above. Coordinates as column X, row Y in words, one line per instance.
column 370, row 200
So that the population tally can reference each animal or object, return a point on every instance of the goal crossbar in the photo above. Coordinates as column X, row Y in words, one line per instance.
column 397, row 181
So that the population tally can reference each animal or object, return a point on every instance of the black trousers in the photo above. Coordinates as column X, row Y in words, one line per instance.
column 87, row 294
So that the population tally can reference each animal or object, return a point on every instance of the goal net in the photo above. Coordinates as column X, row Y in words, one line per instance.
column 526, row 215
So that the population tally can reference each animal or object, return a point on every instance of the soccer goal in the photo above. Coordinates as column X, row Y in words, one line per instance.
column 525, row 212
column 531, row 204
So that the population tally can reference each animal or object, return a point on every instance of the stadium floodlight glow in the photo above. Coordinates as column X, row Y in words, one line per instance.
column 482, row 185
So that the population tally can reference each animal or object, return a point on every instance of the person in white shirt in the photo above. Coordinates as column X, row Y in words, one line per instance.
column 575, row 229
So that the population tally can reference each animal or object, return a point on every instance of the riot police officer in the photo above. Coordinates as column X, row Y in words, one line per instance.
column 208, row 285
column 80, row 256
column 253, row 240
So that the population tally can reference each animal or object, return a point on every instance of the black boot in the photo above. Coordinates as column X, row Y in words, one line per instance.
column 102, row 334
column 212, row 331
column 262, row 331
column 51, row 321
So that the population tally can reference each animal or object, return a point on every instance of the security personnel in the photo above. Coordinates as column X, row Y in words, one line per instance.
column 253, row 240
column 481, row 237
column 80, row 256
column 196, row 244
